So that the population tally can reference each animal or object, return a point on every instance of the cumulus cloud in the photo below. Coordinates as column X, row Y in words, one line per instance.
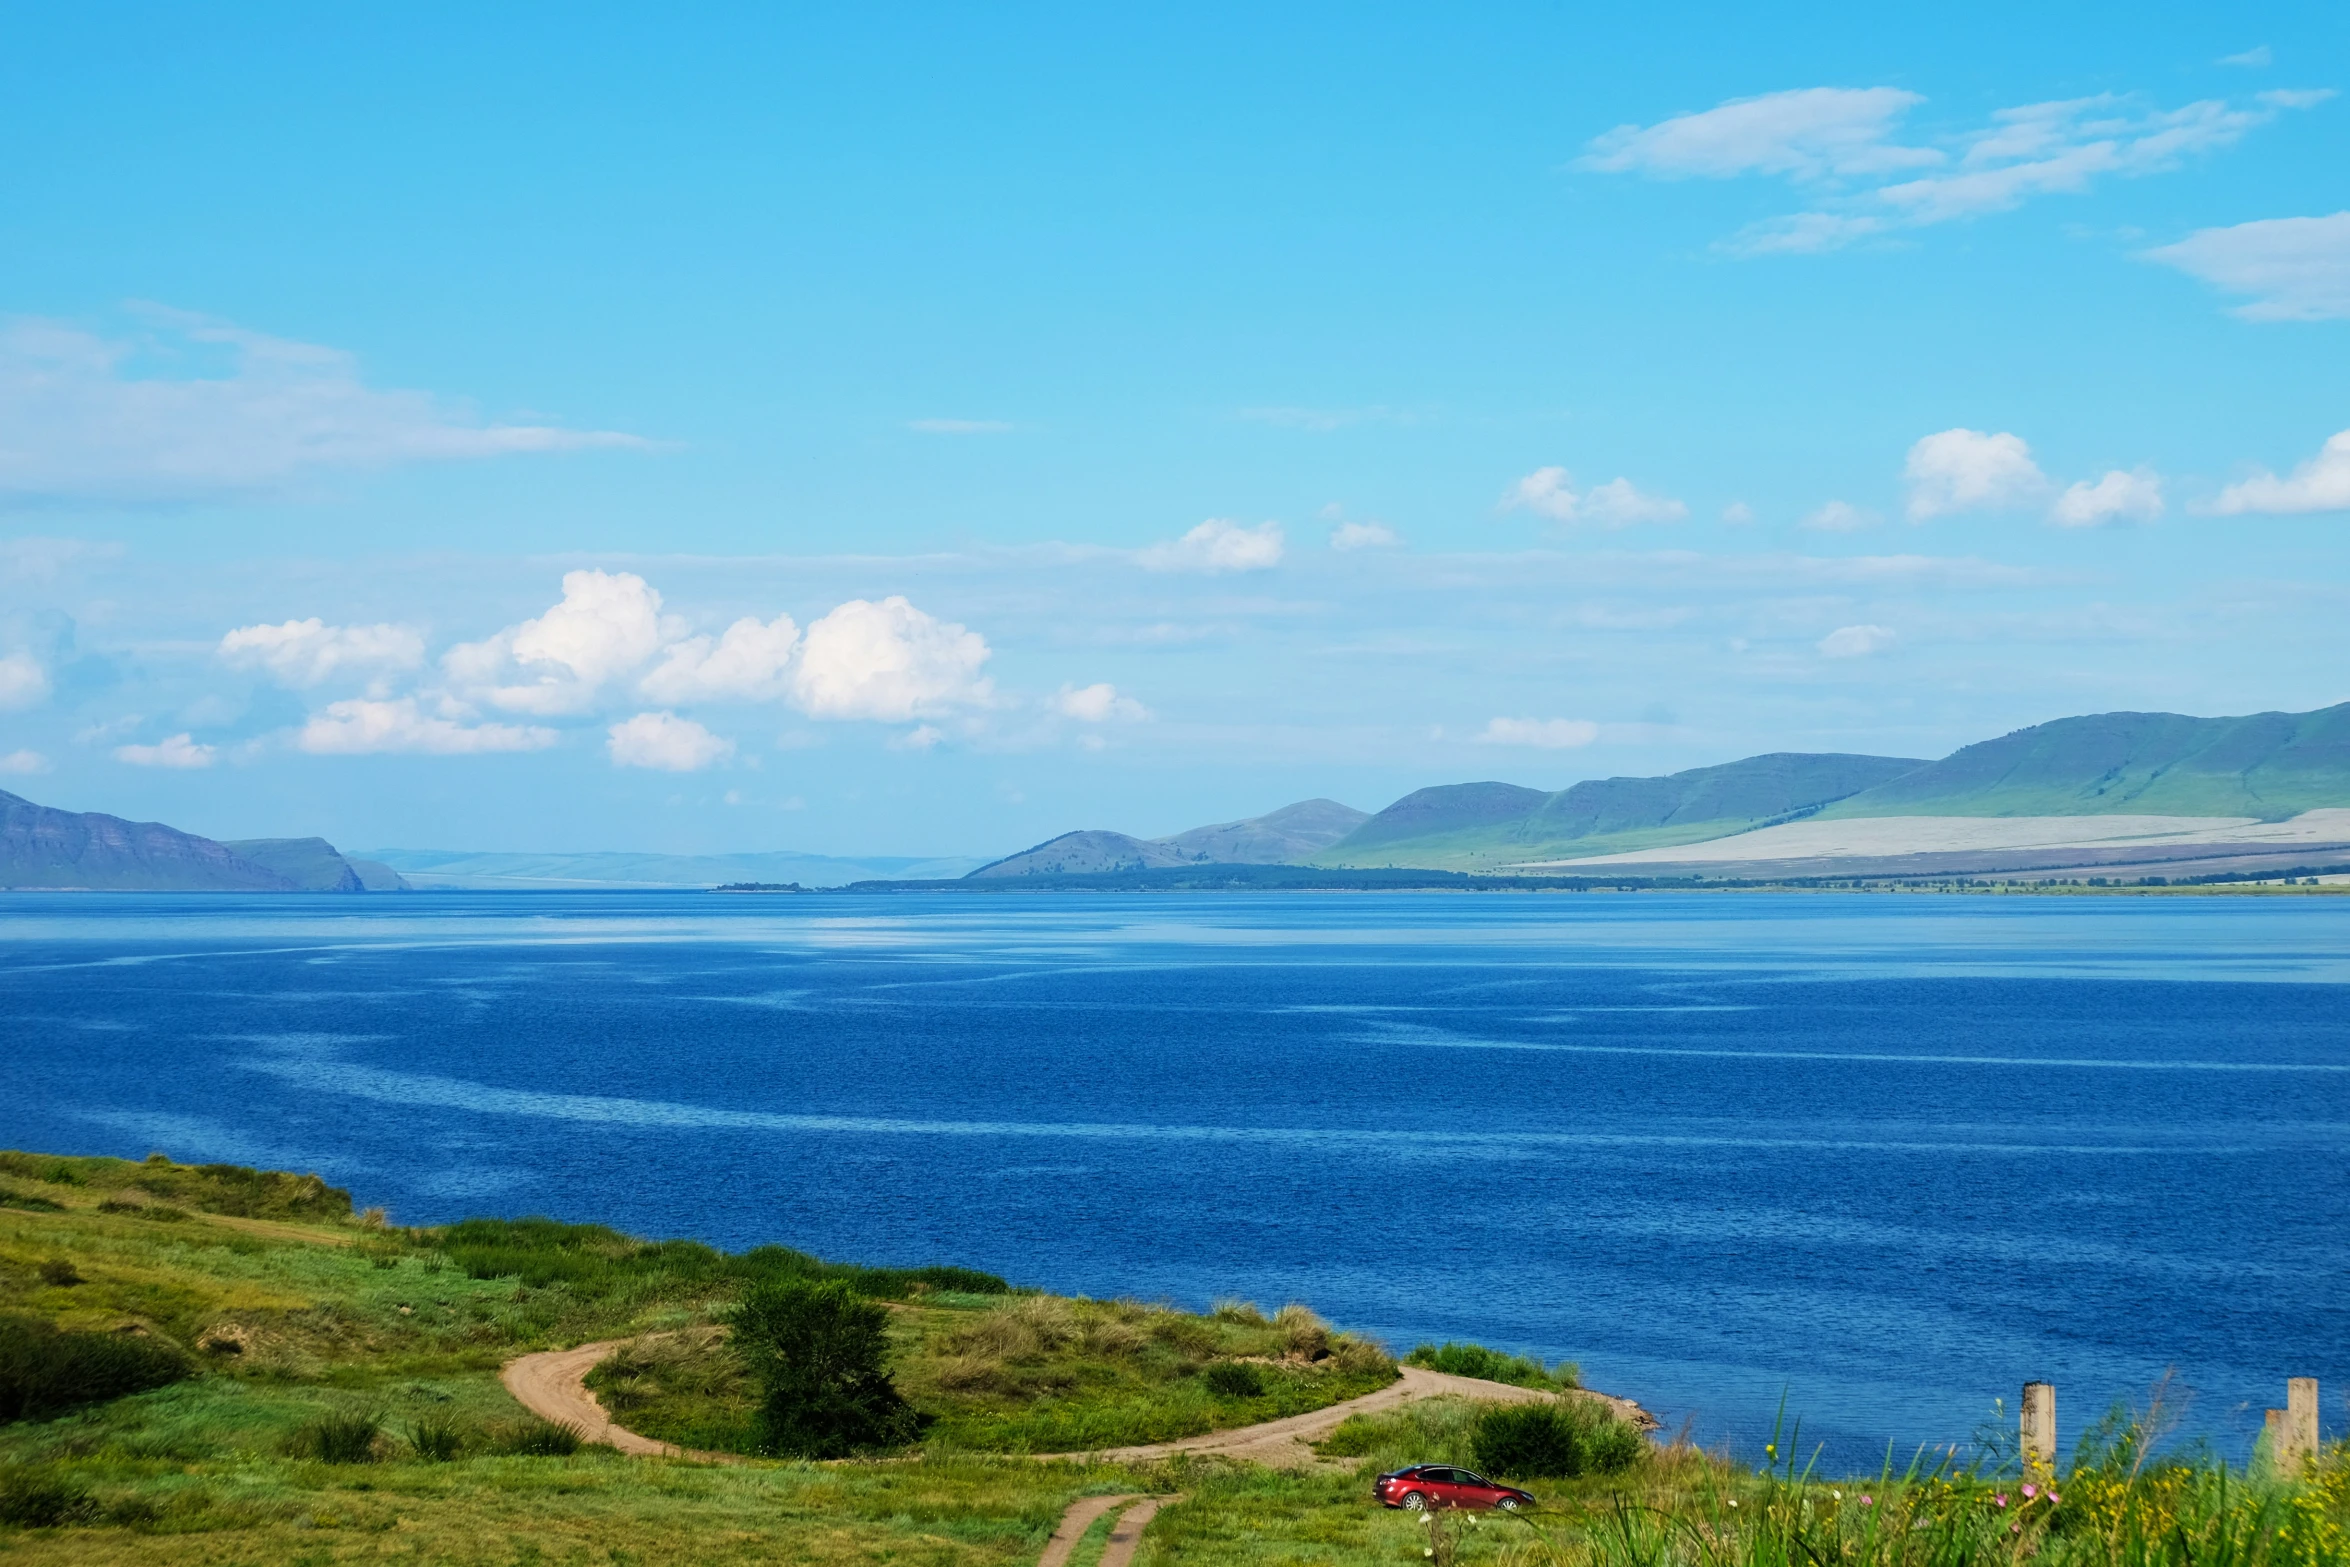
column 607, row 625
column 24, row 763
column 1842, row 142
column 746, row 664
column 2320, row 484
column 1218, row 545
column 1550, row 492
column 664, row 742
column 311, row 652
column 2294, row 269
column 2118, row 497
column 1840, row 517
column 1967, row 470
column 1364, row 536
column 179, row 750
column 1548, row 734
column 365, row 727
column 1856, row 641
column 888, row 661
column 1097, row 704
column 95, row 419
column 23, row 682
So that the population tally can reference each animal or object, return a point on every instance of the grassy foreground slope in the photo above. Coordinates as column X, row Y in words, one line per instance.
column 2265, row 765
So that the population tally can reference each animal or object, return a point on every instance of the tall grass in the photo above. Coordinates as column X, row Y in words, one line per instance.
column 596, row 1261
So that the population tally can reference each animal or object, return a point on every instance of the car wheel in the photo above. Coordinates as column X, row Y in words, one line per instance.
column 1509, row 1504
column 1416, row 1502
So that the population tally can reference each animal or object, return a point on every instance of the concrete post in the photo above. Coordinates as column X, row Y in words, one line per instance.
column 2038, row 1426
column 2297, row 1442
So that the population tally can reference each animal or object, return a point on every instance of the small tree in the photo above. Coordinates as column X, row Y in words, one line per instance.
column 817, row 1352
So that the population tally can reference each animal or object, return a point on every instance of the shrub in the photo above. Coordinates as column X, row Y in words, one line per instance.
column 1242, row 1312
column 1553, row 1440
column 1302, row 1333
column 29, row 1201
column 1491, row 1365
column 44, row 1372
column 1234, row 1379
column 535, row 1438
column 435, row 1438
column 342, row 1438
column 59, row 1271
column 816, row 1351
column 36, row 1497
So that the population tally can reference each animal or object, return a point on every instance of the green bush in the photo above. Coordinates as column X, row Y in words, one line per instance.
column 816, row 1351
column 31, row 1202
column 1491, row 1365
column 594, row 1261
column 44, row 1372
column 1553, row 1440
column 535, row 1438
column 1234, row 1379
column 345, row 1437
column 435, row 1438
column 59, row 1271
column 35, row 1497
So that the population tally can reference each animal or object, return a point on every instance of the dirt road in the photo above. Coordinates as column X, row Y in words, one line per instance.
column 553, row 1386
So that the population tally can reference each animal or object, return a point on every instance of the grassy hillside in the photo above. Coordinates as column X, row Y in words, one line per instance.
column 309, row 863
column 1481, row 826
column 2267, row 765
column 321, row 1388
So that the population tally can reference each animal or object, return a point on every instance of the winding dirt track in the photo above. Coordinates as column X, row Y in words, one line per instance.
column 553, row 1386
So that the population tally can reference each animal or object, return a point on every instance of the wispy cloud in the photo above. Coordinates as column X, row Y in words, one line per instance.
column 1322, row 421
column 1545, row 734
column 2294, row 269
column 1216, row 546
column 1551, row 492
column 97, row 419
column 180, row 750
column 1844, row 145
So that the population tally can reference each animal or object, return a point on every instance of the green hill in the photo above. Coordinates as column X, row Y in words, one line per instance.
column 1478, row 826
column 312, row 864
column 2265, row 765
column 43, row 847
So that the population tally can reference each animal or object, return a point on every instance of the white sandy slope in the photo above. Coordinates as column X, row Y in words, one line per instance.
column 1880, row 836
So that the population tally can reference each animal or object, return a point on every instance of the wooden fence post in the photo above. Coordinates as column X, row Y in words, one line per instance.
column 2297, row 1441
column 2038, row 1426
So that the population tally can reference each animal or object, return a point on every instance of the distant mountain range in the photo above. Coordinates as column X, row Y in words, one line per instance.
column 2179, row 790
column 2191, row 795
column 49, row 849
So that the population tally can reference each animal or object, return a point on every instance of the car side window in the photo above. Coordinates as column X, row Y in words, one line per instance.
column 1464, row 1477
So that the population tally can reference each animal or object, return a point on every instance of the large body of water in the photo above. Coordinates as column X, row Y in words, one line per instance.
column 1889, row 1156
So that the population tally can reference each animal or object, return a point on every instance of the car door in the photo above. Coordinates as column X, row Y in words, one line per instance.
column 1475, row 1490
column 1445, row 1488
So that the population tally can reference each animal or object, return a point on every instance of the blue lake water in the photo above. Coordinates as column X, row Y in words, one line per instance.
column 1889, row 1156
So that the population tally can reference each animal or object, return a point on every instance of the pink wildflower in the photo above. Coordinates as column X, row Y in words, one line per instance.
column 2031, row 1491
column 2000, row 1500
column 1868, row 1501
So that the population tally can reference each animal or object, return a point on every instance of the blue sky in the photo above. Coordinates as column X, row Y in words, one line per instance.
column 1245, row 404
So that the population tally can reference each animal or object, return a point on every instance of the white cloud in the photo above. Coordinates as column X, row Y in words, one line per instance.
column 310, row 652
column 888, row 661
column 2118, row 497
column 958, row 426
column 746, row 664
column 23, row 682
column 921, row 738
column 1840, row 517
column 1549, row 734
column 608, row 625
column 1840, row 138
column 2320, row 484
column 24, row 763
column 1217, row 545
column 1097, row 704
column 1967, row 470
column 1323, row 420
column 1856, row 641
column 175, row 751
column 665, row 743
column 2257, row 58
column 86, row 420
column 2295, row 269
column 1738, row 514
column 1364, row 536
column 1550, row 492
column 1808, row 133
column 365, row 727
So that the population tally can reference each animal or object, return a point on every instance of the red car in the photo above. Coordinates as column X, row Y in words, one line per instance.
column 1438, row 1485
